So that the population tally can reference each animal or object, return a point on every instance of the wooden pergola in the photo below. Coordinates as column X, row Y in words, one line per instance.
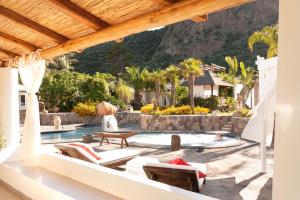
column 56, row 27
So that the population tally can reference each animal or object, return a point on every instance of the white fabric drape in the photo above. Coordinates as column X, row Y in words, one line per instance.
column 31, row 72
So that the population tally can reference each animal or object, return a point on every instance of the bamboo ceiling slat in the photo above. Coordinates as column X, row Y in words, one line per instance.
column 117, row 11
column 121, row 18
column 45, row 15
column 9, row 27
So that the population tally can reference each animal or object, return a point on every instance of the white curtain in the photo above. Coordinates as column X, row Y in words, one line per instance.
column 31, row 72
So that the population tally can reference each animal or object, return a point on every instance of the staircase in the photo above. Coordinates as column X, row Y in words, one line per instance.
column 227, row 128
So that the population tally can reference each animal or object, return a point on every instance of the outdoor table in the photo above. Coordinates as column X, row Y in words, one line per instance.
column 123, row 135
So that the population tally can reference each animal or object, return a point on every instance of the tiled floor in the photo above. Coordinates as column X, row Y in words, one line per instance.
column 234, row 173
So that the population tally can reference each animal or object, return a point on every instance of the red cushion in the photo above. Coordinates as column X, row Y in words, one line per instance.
column 85, row 148
column 180, row 161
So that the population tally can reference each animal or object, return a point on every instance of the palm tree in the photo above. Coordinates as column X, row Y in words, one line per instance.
column 136, row 77
column 63, row 62
column 123, row 91
column 172, row 74
column 233, row 69
column 269, row 36
column 191, row 68
column 158, row 78
column 247, row 78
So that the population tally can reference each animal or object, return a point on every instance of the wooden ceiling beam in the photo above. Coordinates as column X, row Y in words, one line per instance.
column 173, row 13
column 18, row 42
column 170, row 14
column 200, row 19
column 8, row 53
column 73, row 10
column 32, row 25
column 164, row 2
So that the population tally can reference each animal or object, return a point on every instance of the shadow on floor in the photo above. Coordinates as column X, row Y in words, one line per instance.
column 228, row 189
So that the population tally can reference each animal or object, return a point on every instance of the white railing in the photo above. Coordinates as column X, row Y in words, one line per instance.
column 261, row 125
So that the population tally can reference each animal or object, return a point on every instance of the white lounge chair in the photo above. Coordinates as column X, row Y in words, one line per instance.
column 111, row 159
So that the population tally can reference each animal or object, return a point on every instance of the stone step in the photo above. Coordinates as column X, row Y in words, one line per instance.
column 226, row 129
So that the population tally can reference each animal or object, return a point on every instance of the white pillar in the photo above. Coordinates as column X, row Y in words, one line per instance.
column 287, row 135
column 9, row 106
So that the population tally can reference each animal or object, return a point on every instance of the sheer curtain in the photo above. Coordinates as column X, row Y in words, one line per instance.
column 31, row 71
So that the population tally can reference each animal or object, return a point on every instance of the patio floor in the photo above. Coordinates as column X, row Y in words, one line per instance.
column 233, row 173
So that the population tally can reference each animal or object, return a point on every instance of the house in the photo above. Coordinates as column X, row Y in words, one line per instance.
column 138, row 17
column 210, row 84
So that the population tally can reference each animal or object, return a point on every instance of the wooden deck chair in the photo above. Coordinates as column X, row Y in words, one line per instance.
column 185, row 177
column 111, row 159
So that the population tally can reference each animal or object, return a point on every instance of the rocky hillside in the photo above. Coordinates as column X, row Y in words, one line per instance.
column 225, row 33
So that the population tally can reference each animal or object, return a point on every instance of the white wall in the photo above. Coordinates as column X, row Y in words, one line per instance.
column 199, row 91
column 204, row 91
column 9, row 105
column 287, row 139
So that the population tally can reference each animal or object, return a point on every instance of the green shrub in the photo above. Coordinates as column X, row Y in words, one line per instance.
column 201, row 110
column 243, row 113
column 85, row 109
column 212, row 102
column 227, row 105
column 147, row 109
column 180, row 110
column 116, row 102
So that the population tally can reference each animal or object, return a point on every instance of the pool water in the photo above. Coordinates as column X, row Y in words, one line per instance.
column 75, row 134
column 150, row 138
column 186, row 139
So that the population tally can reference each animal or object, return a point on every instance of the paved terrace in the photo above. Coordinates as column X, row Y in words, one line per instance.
column 233, row 173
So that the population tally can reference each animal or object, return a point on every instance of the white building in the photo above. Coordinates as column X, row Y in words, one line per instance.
column 209, row 85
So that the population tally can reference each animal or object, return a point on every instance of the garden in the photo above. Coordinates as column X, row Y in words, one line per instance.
column 64, row 90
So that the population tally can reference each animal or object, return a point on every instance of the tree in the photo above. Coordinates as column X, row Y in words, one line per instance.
column 59, row 90
column 158, row 78
column 124, row 92
column 173, row 74
column 191, row 68
column 136, row 78
column 268, row 36
column 118, row 57
column 233, row 70
column 247, row 78
column 94, row 88
column 63, row 62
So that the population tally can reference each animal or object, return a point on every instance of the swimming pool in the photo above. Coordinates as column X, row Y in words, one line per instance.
column 160, row 139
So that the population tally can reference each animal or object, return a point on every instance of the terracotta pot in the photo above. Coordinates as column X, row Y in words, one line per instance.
column 105, row 108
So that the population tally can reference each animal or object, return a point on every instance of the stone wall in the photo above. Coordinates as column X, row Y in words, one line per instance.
column 191, row 123
column 239, row 123
column 72, row 118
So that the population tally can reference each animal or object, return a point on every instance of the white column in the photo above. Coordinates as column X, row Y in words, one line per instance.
column 287, row 136
column 9, row 106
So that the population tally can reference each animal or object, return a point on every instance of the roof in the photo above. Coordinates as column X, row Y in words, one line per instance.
column 56, row 27
column 210, row 78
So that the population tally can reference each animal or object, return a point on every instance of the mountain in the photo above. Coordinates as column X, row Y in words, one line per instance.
column 224, row 34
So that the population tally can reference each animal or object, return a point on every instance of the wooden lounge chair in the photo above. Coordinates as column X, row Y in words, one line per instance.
column 111, row 159
column 185, row 177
